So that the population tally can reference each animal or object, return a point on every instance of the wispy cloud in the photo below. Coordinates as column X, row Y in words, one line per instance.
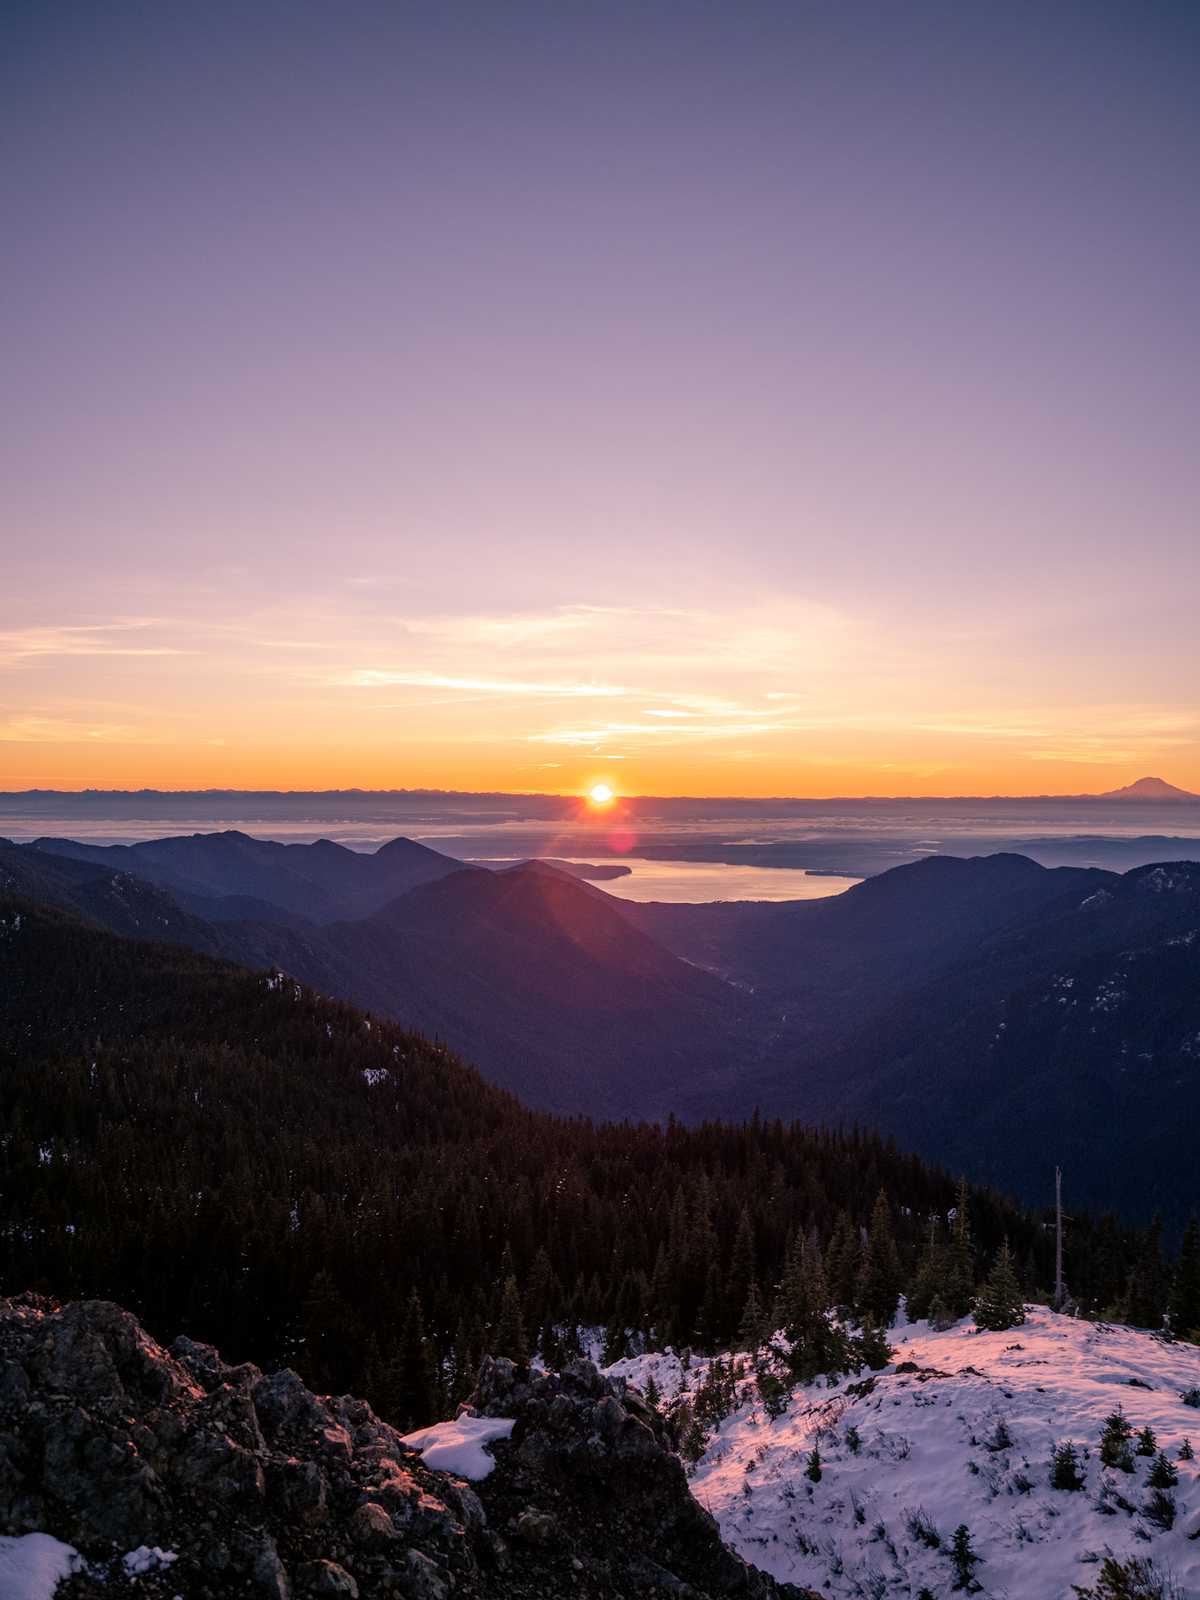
column 62, row 730
column 374, row 678
column 93, row 639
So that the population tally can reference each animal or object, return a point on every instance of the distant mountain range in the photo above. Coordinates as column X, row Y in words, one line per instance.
column 415, row 807
column 989, row 1012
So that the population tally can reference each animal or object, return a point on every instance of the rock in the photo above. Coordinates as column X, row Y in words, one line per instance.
column 299, row 1488
column 536, row 1527
column 250, row 1481
column 424, row 1579
column 267, row 1571
column 327, row 1578
column 372, row 1526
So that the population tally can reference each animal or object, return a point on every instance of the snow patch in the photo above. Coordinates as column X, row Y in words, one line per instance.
column 147, row 1558
column 458, row 1446
column 32, row 1567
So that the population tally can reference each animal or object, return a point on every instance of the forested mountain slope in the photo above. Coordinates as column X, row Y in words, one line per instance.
column 227, row 1152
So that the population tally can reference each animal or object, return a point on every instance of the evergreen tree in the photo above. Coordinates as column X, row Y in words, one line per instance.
column 1160, row 1509
column 1186, row 1453
column 1162, row 1474
column 1001, row 1305
column 510, row 1324
column 1185, row 1291
column 1115, row 1442
column 964, row 1559
column 802, row 1312
column 813, row 1469
column 1146, row 1292
column 871, row 1347
column 323, row 1320
column 1147, row 1444
column 411, row 1377
column 1064, row 1470
column 772, row 1390
column 930, row 1281
column 752, row 1328
column 940, row 1315
column 959, row 1289
column 743, row 1271
column 541, row 1296
column 879, row 1280
column 841, row 1264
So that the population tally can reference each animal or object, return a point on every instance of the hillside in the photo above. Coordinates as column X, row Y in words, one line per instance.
column 960, row 1429
column 994, row 1014
column 226, row 1152
column 530, row 972
column 220, row 876
column 1073, row 1036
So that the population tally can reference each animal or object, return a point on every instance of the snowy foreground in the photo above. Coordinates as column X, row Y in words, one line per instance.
column 928, row 1460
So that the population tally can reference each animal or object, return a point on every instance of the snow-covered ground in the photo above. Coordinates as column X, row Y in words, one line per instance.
column 928, row 1449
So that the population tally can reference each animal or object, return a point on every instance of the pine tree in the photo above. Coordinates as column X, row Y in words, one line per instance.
column 1160, row 1509
column 1162, row 1474
column 752, row 1329
column 323, row 1319
column 940, row 1315
column 813, row 1469
column 1000, row 1305
column 959, row 1290
column 1147, row 1444
column 1185, row 1291
column 802, row 1312
column 841, row 1264
column 1064, row 1470
column 879, row 1280
column 510, row 1324
column 871, row 1347
column 964, row 1559
column 930, row 1281
column 1145, row 1293
column 1115, row 1441
column 772, row 1390
column 742, row 1272
column 463, row 1366
column 541, row 1296
column 1186, row 1453
column 414, row 1397
column 653, row 1397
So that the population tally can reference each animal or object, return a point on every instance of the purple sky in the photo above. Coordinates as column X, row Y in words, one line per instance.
column 731, row 397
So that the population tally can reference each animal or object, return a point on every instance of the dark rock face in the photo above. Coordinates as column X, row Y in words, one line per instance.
column 264, row 1490
column 589, row 1472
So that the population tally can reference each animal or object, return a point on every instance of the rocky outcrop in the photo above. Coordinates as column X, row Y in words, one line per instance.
column 590, row 1474
column 175, row 1474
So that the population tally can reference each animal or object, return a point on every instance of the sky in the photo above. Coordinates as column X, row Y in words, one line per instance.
column 713, row 397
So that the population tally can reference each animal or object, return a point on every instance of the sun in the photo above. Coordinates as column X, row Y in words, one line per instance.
column 601, row 794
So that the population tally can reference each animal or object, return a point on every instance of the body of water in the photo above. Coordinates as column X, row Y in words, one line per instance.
column 696, row 882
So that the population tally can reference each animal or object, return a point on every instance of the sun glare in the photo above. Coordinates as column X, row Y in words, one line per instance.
column 600, row 794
